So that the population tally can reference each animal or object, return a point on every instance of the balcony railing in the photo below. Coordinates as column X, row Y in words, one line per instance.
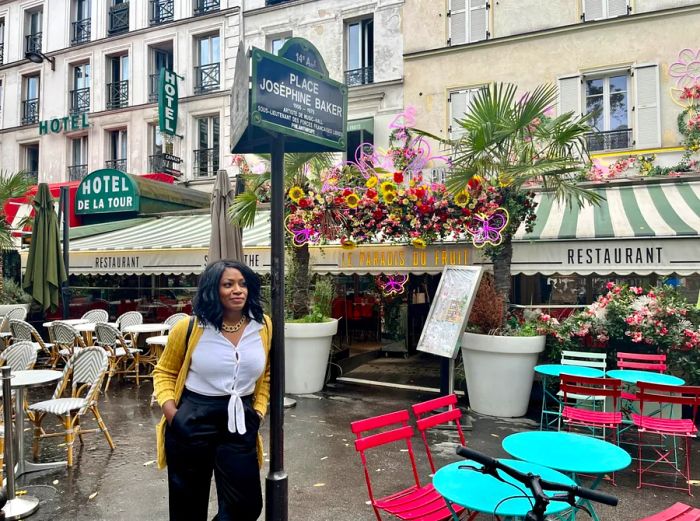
column 81, row 31
column 32, row 42
column 206, row 162
column 609, row 140
column 153, row 84
column 30, row 111
column 80, row 100
column 359, row 76
column 2, row 52
column 118, row 19
column 161, row 11
column 206, row 78
column 32, row 175
column 205, row 6
column 77, row 172
column 165, row 163
column 117, row 94
column 116, row 164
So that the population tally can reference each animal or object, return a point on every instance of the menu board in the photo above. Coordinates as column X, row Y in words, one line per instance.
column 449, row 312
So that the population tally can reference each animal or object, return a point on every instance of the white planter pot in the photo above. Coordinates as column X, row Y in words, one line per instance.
column 499, row 371
column 306, row 351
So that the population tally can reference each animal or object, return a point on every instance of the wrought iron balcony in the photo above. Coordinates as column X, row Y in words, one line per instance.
column 205, row 6
column 80, row 101
column 206, row 162
column 30, row 111
column 361, row 76
column 165, row 163
column 117, row 94
column 161, row 11
column 77, row 172
column 118, row 19
column 81, row 31
column 32, row 42
column 32, row 175
column 609, row 140
column 206, row 78
column 2, row 52
column 153, row 85
column 116, row 164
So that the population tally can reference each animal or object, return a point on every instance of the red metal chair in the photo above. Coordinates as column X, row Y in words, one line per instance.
column 428, row 416
column 676, row 512
column 663, row 397
column 642, row 362
column 416, row 502
column 574, row 388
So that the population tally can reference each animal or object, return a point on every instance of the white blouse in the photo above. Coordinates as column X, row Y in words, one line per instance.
column 219, row 368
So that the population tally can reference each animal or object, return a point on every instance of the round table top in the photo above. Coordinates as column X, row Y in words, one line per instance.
column 575, row 370
column 34, row 377
column 567, row 452
column 69, row 321
column 483, row 493
column 89, row 327
column 146, row 328
column 632, row 376
column 160, row 340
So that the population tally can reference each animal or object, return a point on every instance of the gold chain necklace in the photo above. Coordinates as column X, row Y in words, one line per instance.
column 232, row 329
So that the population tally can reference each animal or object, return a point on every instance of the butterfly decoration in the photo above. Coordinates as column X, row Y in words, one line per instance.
column 391, row 285
column 486, row 229
column 302, row 234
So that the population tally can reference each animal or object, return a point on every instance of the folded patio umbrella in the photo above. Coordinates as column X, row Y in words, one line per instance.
column 226, row 241
column 45, row 269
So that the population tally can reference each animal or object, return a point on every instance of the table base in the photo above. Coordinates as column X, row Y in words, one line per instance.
column 20, row 507
column 25, row 467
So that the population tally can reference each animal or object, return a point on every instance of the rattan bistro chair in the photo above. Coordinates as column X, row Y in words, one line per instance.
column 174, row 319
column 18, row 313
column 68, row 341
column 96, row 315
column 25, row 332
column 130, row 318
column 83, row 374
column 120, row 353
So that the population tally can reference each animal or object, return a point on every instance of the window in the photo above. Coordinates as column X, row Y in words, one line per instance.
column 359, row 132
column 82, row 23
column 206, row 155
column 30, row 159
column 458, row 103
column 117, row 153
column 30, row 102
column 468, row 21
column 2, row 40
column 275, row 43
column 607, row 99
column 32, row 31
column 80, row 94
column 205, row 6
column 601, row 9
column 118, row 77
column 161, row 11
column 161, row 158
column 206, row 74
column 79, row 158
column 118, row 17
column 161, row 58
column 359, row 60
column 1, row 103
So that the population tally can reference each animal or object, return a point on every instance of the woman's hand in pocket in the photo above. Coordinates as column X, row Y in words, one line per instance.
column 169, row 411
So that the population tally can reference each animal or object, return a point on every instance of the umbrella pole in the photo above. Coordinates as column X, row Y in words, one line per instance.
column 65, row 290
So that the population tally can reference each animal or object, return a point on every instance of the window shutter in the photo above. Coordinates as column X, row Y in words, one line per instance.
column 592, row 10
column 570, row 95
column 617, row 8
column 646, row 110
column 458, row 22
column 478, row 20
column 458, row 103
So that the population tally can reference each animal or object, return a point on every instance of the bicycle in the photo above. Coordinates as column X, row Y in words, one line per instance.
column 536, row 485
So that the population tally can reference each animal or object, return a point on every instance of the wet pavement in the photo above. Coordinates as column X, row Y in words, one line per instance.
column 326, row 481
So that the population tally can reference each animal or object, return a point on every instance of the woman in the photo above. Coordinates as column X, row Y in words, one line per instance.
column 213, row 384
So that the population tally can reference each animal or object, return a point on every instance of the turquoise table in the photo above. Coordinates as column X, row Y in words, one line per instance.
column 569, row 453
column 555, row 371
column 481, row 493
column 632, row 376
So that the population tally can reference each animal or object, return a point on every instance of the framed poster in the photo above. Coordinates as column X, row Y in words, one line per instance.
column 447, row 319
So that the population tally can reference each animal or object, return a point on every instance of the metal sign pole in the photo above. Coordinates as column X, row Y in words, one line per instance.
column 65, row 289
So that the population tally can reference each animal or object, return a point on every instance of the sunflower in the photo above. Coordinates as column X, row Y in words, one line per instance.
column 372, row 182
column 418, row 243
column 462, row 198
column 352, row 200
column 387, row 186
column 296, row 193
column 389, row 197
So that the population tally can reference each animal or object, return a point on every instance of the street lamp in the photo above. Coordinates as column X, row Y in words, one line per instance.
column 38, row 57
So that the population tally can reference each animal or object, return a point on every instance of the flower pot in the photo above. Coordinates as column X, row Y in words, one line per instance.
column 500, row 371
column 307, row 347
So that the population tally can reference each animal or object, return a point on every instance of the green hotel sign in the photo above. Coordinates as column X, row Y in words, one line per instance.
column 167, row 102
column 106, row 191
column 64, row 124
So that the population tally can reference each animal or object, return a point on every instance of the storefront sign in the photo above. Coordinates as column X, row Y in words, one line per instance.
column 167, row 102
column 64, row 124
column 106, row 191
column 297, row 101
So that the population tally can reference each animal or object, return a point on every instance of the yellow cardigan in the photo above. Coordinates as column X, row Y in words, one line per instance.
column 171, row 372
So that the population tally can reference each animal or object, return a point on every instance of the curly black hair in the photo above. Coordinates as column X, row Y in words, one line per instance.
column 207, row 303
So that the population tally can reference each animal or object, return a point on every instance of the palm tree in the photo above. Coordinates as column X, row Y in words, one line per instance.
column 11, row 185
column 510, row 143
column 302, row 170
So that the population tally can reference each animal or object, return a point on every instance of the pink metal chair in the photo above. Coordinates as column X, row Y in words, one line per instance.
column 575, row 387
column 676, row 512
column 662, row 398
column 428, row 415
column 656, row 363
column 415, row 502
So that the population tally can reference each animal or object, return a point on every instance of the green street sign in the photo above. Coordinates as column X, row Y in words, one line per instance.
column 167, row 102
column 106, row 191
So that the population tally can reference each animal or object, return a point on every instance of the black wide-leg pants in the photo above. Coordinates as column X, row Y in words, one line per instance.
column 198, row 443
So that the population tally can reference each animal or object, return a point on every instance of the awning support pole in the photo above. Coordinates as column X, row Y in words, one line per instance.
column 65, row 288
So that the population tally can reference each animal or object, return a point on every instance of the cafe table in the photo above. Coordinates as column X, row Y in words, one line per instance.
column 69, row 321
column 482, row 493
column 633, row 376
column 569, row 453
column 555, row 371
